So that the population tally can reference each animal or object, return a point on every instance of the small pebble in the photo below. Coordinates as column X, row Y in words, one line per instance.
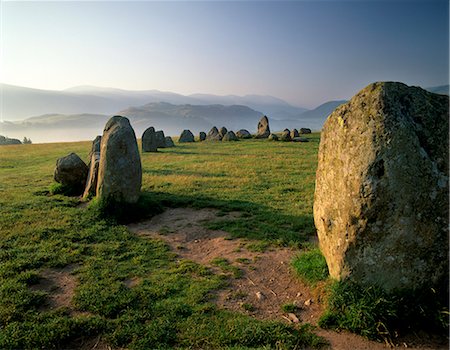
column 308, row 302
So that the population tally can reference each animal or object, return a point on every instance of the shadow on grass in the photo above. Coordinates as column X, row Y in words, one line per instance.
column 256, row 222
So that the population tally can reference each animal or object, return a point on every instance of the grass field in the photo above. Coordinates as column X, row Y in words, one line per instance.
column 270, row 183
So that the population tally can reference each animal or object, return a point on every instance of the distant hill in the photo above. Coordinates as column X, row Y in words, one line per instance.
column 442, row 89
column 21, row 102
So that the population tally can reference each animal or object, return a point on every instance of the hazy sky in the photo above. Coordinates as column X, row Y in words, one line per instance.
column 306, row 52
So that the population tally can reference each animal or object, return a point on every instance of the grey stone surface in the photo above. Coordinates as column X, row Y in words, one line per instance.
column 286, row 135
column 305, row 131
column 243, row 134
column 186, row 136
column 294, row 133
column 71, row 171
column 381, row 199
column 120, row 170
column 91, row 184
column 149, row 141
column 169, row 142
column 230, row 136
column 263, row 128
column 222, row 131
column 273, row 137
column 160, row 139
column 213, row 135
column 202, row 136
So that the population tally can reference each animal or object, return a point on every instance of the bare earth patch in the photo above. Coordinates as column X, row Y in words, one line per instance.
column 59, row 284
column 266, row 281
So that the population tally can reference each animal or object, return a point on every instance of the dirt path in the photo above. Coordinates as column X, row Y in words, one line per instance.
column 263, row 282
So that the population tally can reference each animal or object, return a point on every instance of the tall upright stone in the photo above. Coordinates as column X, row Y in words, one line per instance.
column 381, row 199
column 263, row 128
column 149, row 140
column 222, row 131
column 202, row 136
column 120, row 170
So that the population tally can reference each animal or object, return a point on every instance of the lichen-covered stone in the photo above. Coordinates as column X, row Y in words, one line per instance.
column 186, row 136
column 294, row 133
column 160, row 139
column 120, row 170
column 71, row 172
column 92, row 177
column 286, row 135
column 381, row 199
column 222, row 131
column 202, row 136
column 243, row 134
column 230, row 136
column 149, row 141
column 214, row 135
column 273, row 137
column 169, row 142
column 263, row 128
column 305, row 131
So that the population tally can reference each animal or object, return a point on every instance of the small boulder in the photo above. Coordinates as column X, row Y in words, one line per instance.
column 7, row 141
column 71, row 172
column 305, row 131
column 273, row 137
column 169, row 142
column 263, row 128
column 243, row 134
column 160, row 139
column 230, row 136
column 286, row 135
column 149, row 141
column 294, row 133
column 120, row 170
column 186, row 136
column 202, row 136
column 92, row 178
column 222, row 131
column 214, row 135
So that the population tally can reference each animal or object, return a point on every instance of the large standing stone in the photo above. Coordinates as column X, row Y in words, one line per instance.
column 263, row 128
column 213, row 135
column 160, row 139
column 71, row 171
column 243, row 134
column 120, row 171
column 230, row 136
column 222, row 131
column 202, row 136
column 381, row 200
column 186, row 136
column 149, row 141
column 92, row 178
column 169, row 142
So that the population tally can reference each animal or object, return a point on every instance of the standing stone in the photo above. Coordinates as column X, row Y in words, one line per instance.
column 92, row 178
column 230, row 136
column 169, row 142
column 71, row 172
column 286, row 135
column 94, row 148
column 186, row 136
column 381, row 199
column 263, row 128
column 149, row 141
column 214, row 135
column 202, row 136
column 294, row 133
column 160, row 139
column 305, row 131
column 273, row 137
column 243, row 134
column 120, row 171
column 222, row 131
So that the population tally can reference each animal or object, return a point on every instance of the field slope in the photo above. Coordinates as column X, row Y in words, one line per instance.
column 71, row 278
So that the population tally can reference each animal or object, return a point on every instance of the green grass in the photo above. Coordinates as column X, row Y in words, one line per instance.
column 375, row 314
column 271, row 184
column 311, row 266
column 289, row 308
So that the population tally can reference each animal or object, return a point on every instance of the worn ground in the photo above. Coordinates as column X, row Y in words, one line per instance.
column 266, row 280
